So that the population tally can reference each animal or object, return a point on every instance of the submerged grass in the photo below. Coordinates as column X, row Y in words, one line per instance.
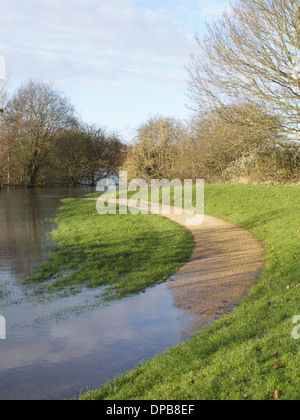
column 250, row 353
column 123, row 253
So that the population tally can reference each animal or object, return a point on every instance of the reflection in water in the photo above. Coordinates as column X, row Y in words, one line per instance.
column 24, row 240
column 57, row 348
column 21, row 230
column 61, row 355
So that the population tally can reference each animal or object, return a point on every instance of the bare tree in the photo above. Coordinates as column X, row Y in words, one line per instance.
column 86, row 152
column 4, row 157
column 226, row 135
column 33, row 118
column 155, row 150
column 104, row 152
column 251, row 54
column 3, row 95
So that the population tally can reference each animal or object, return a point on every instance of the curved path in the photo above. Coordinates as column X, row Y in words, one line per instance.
column 226, row 262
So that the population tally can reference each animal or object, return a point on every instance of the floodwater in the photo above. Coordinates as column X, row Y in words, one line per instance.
column 56, row 348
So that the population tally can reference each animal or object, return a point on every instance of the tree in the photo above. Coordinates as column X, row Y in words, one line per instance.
column 86, row 152
column 68, row 157
column 3, row 95
column 3, row 142
column 33, row 118
column 105, row 153
column 153, row 154
column 226, row 135
column 251, row 55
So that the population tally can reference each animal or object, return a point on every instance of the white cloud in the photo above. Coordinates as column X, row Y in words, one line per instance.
column 212, row 9
column 119, row 61
column 105, row 40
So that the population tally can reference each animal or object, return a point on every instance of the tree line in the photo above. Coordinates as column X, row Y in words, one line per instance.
column 213, row 150
column 43, row 141
column 244, row 88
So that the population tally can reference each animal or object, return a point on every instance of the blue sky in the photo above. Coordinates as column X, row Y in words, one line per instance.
column 119, row 61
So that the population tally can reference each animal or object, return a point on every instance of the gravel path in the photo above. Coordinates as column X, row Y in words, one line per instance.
column 225, row 264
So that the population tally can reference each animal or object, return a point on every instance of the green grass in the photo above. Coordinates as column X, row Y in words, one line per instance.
column 250, row 353
column 123, row 253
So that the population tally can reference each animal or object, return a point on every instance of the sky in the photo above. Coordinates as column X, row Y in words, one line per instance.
column 119, row 62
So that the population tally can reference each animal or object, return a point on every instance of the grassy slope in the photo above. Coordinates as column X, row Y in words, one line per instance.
column 123, row 253
column 250, row 353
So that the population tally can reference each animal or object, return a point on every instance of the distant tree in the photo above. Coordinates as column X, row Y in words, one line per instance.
column 154, row 151
column 68, row 161
column 86, row 152
column 3, row 94
column 4, row 175
column 226, row 135
column 105, row 153
column 33, row 117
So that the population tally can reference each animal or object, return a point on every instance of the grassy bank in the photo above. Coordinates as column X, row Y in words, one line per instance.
column 250, row 353
column 123, row 253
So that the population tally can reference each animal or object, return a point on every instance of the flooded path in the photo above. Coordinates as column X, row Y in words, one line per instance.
column 54, row 349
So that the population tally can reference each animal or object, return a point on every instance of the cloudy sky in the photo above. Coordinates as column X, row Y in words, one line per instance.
column 119, row 61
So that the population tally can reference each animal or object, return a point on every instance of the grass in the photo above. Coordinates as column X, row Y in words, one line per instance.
column 123, row 253
column 250, row 353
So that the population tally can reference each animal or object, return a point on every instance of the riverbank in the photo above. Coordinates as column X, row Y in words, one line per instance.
column 250, row 353
column 121, row 254
column 73, row 342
